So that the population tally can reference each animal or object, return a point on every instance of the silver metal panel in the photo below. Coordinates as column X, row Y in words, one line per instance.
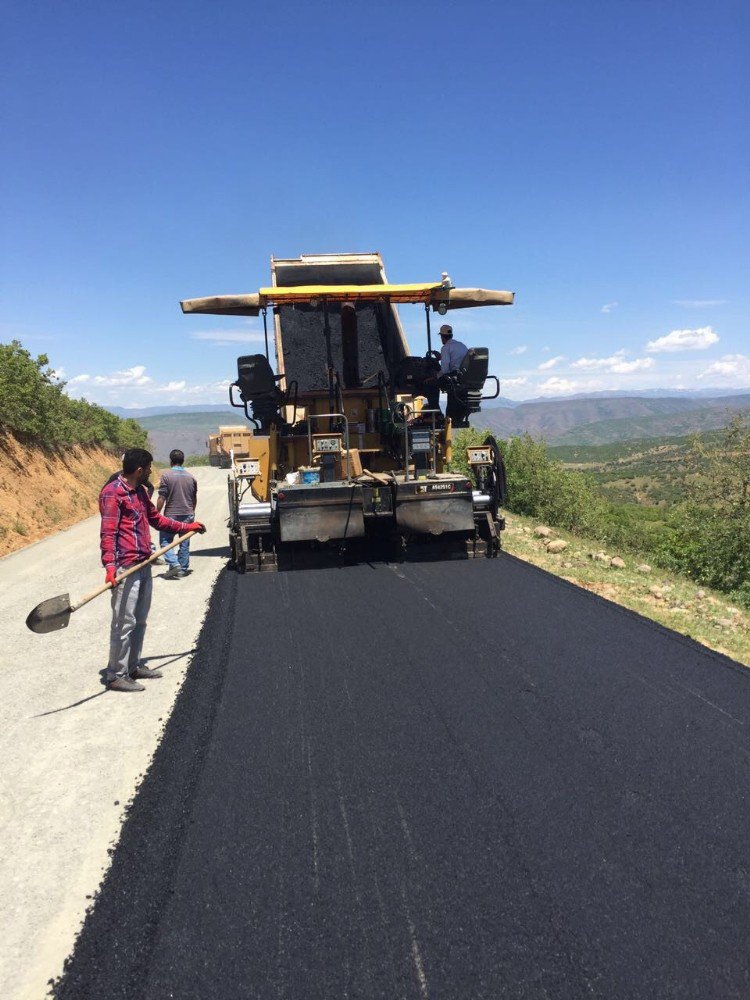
column 435, row 514
column 332, row 522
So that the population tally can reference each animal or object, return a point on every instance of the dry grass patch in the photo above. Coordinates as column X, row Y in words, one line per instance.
column 43, row 491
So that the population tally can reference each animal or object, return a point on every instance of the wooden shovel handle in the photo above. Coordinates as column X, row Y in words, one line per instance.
column 131, row 570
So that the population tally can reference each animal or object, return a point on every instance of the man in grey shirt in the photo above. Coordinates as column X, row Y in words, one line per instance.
column 178, row 495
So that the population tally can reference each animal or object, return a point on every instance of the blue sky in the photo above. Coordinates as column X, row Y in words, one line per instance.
column 591, row 156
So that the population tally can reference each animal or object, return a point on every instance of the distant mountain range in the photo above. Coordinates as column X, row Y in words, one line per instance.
column 151, row 411
column 713, row 393
column 603, row 419
column 187, row 430
column 596, row 418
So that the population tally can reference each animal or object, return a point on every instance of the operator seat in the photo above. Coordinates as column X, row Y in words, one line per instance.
column 465, row 385
column 257, row 385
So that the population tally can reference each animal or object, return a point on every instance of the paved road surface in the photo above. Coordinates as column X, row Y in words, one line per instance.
column 71, row 753
column 464, row 780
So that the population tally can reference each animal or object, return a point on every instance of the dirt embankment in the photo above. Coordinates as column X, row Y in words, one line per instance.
column 42, row 491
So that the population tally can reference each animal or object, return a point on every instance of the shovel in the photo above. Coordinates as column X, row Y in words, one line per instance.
column 53, row 614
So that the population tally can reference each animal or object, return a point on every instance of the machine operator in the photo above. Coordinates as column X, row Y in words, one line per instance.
column 452, row 354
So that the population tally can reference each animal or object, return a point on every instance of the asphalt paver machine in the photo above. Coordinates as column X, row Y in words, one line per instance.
column 349, row 448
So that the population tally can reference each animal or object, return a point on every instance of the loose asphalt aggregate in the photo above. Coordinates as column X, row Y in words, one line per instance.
column 454, row 780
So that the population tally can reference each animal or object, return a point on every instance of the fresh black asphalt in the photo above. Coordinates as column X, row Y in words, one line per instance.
column 444, row 780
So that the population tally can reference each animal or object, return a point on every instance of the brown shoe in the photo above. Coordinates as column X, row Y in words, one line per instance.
column 124, row 684
column 145, row 673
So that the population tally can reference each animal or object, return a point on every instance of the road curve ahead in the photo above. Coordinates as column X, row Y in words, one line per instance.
column 443, row 780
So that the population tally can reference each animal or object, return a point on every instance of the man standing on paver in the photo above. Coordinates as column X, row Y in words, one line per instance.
column 178, row 495
column 127, row 513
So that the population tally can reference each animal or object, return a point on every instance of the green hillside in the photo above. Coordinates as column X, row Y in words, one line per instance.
column 186, row 431
column 662, row 425
column 34, row 405
column 647, row 471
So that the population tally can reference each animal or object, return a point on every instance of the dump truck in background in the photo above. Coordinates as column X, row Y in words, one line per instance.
column 345, row 452
column 214, row 454
column 231, row 442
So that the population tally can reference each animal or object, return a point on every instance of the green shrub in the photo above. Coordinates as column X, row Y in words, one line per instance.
column 710, row 530
column 33, row 404
column 542, row 488
column 706, row 536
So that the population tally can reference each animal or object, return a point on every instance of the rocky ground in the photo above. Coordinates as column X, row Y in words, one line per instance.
column 676, row 602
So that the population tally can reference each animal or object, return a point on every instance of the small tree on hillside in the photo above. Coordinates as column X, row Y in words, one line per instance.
column 712, row 527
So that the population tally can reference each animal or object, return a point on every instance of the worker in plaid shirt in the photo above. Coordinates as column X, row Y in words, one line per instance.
column 127, row 515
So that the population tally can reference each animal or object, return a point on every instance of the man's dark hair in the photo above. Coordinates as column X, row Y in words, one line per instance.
column 136, row 458
column 176, row 457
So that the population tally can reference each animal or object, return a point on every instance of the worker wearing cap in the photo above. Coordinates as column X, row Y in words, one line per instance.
column 452, row 354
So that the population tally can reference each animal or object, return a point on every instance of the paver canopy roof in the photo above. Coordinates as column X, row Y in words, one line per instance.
column 429, row 294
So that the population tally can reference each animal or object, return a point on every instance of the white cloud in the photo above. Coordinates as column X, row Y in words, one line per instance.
column 735, row 367
column 637, row 365
column 699, row 303
column 616, row 364
column 684, row 340
column 609, row 306
column 510, row 383
column 223, row 338
column 134, row 387
column 130, row 376
column 556, row 386
column 521, row 349
column 546, row 365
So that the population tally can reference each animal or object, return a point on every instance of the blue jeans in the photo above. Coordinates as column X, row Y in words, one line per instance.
column 181, row 555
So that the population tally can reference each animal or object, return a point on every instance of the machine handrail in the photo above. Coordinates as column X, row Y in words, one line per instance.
column 497, row 383
column 322, row 416
column 242, row 406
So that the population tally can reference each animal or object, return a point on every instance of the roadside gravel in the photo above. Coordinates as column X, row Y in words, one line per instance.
column 73, row 753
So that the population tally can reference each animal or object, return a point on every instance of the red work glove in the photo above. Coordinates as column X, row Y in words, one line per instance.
column 195, row 526
column 110, row 577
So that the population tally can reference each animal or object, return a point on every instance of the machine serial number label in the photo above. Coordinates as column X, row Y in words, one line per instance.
column 326, row 444
column 436, row 488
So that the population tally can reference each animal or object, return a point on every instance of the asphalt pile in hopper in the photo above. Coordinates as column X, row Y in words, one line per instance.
column 304, row 343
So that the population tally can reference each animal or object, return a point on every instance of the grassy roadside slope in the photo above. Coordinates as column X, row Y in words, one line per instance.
column 676, row 602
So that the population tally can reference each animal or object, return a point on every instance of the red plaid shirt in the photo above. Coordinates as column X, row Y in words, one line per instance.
column 126, row 516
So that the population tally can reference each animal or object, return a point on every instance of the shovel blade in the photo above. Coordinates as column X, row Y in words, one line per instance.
column 51, row 615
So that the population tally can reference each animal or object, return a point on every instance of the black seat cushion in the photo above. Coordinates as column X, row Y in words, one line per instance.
column 472, row 372
column 255, row 377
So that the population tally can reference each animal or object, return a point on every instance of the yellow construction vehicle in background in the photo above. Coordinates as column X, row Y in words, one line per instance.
column 344, row 448
column 214, row 457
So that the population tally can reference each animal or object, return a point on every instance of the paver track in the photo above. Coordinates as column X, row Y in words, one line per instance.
column 461, row 780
